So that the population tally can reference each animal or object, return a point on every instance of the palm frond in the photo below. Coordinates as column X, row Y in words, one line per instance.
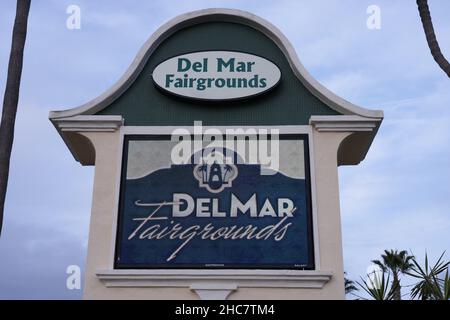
column 376, row 287
column 430, row 286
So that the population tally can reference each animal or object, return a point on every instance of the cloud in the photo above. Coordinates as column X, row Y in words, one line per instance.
column 397, row 198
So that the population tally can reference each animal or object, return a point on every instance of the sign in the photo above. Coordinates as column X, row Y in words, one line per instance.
column 223, row 211
column 216, row 75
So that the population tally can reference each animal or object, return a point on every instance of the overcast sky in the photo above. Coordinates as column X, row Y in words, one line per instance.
column 399, row 197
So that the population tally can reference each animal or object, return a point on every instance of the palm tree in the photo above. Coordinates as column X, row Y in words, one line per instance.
column 204, row 172
column 349, row 285
column 431, row 286
column 444, row 287
column 377, row 287
column 228, row 168
column 433, row 44
column 11, row 98
column 396, row 263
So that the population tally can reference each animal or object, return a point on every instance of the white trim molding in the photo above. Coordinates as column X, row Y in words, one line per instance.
column 229, row 279
column 89, row 123
column 158, row 130
column 344, row 123
column 362, row 131
column 71, row 130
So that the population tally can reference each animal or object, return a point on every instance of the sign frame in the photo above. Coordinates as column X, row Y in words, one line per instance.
column 155, row 133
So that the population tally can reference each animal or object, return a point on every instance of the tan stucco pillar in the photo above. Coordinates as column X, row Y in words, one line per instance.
column 326, row 145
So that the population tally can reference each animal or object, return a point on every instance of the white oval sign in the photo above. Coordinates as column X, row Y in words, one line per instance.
column 216, row 75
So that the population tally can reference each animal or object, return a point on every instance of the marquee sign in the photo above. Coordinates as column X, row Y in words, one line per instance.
column 222, row 212
column 216, row 206
column 216, row 75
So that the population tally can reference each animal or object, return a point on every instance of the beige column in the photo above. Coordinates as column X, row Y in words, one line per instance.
column 326, row 145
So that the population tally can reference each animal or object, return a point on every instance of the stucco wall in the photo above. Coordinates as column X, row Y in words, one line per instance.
column 104, row 214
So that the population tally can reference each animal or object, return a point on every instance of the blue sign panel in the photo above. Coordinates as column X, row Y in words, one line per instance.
column 213, row 214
